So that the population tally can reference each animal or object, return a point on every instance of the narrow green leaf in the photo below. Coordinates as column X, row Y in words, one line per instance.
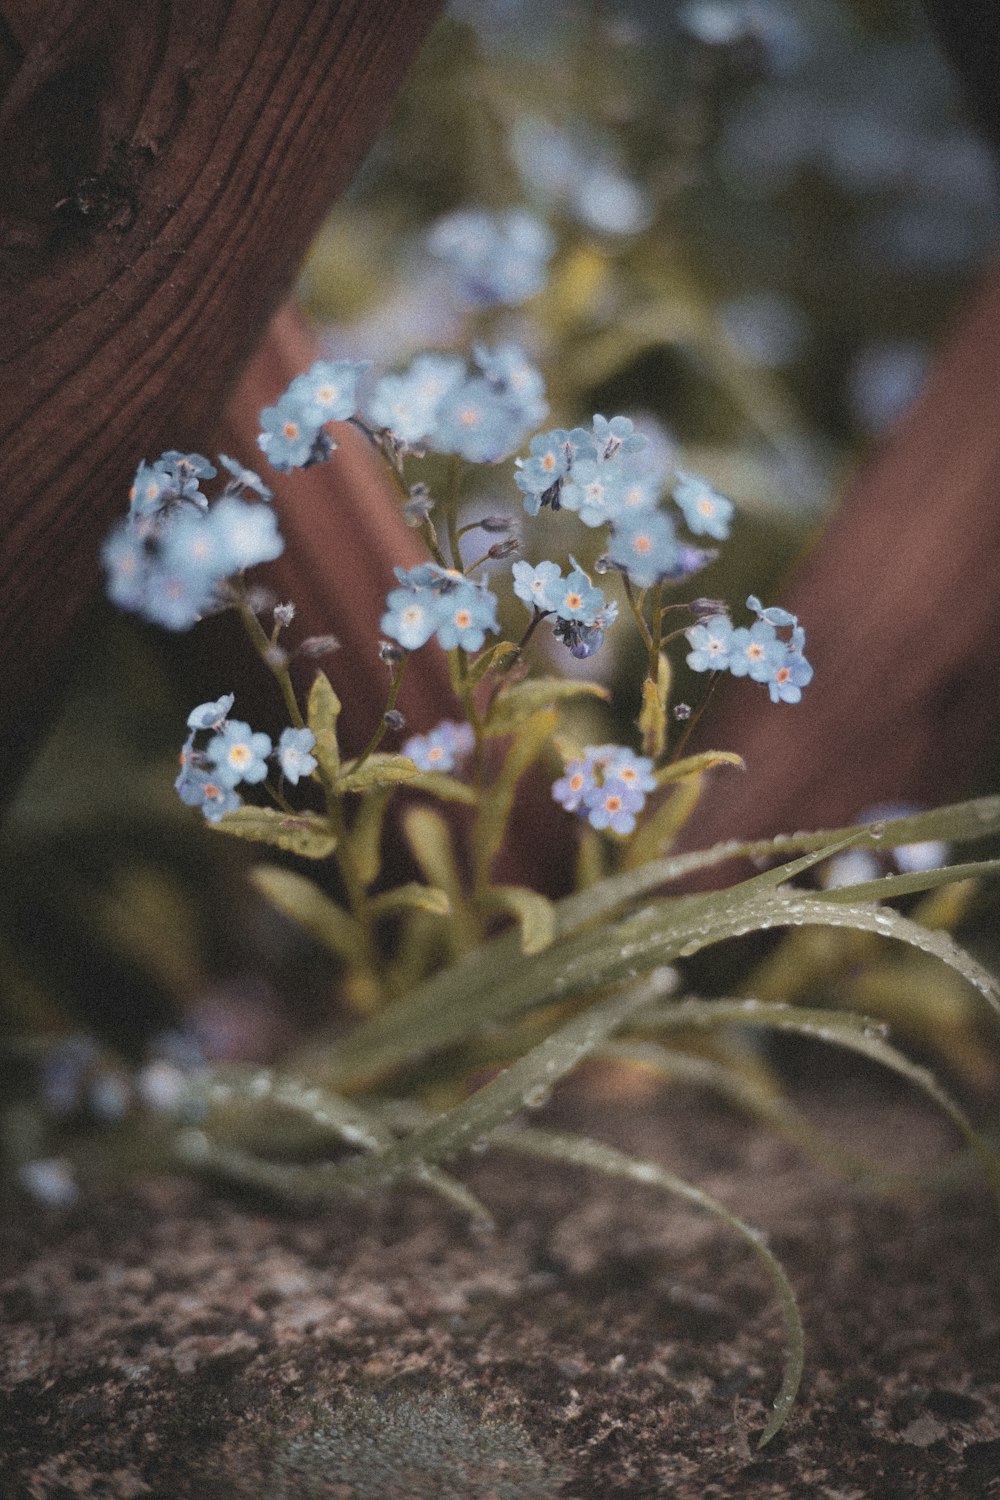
column 888, row 887
column 693, row 765
column 758, row 1098
column 301, row 899
column 514, row 705
column 378, row 770
column 430, row 839
column 302, row 833
column 658, row 829
column 366, row 835
column 493, row 815
column 652, row 721
column 578, row 1151
column 502, row 657
column 445, row 788
column 840, row 1029
column 534, row 913
column 412, row 897
column 322, row 713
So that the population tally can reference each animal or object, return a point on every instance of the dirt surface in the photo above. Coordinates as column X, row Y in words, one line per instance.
column 171, row 1342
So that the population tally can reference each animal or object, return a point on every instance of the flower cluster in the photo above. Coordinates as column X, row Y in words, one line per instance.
column 169, row 558
column 481, row 416
column 607, row 785
column 292, row 431
column 757, row 652
column 604, row 474
column 497, row 258
column 442, row 748
column 234, row 753
column 582, row 612
column 434, row 600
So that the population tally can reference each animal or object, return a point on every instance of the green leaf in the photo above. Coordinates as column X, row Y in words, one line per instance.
column 445, row 788
column 322, row 713
column 534, row 913
column 502, row 657
column 577, row 1151
column 366, row 835
column 514, row 705
column 889, row 886
column 652, row 722
column 302, row 833
column 301, row 899
column 840, row 1029
column 658, row 829
column 693, row 765
column 412, row 897
column 377, row 770
column 493, row 815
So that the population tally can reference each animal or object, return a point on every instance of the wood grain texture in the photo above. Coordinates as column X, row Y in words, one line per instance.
column 900, row 600
column 173, row 160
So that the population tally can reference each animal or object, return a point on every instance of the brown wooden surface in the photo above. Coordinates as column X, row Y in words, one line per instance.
column 165, row 166
column 901, row 601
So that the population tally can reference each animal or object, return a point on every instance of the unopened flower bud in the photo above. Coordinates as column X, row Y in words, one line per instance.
column 284, row 614
column 496, row 523
column 681, row 712
column 389, row 652
column 318, row 645
column 394, row 719
column 505, row 548
column 704, row 609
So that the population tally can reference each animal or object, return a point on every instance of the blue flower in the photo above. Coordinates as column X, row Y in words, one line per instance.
column 613, row 805
column 466, row 613
column 706, row 513
column 575, row 598
column 789, row 676
column 293, row 754
column 211, row 715
column 548, row 463
column 477, row 422
column 151, row 489
column 244, row 479
column 407, row 404
column 607, row 785
column 586, row 640
column 645, row 546
column 773, row 615
column 536, row 585
column 246, row 533
column 182, row 472
column 497, row 257
column 578, row 779
column 510, row 372
column 327, row 392
column 238, row 754
column 198, row 788
column 617, row 437
column 413, row 611
column 710, row 643
column 755, row 653
column 442, row 748
column 126, row 562
column 176, row 597
column 287, row 434
column 622, row 764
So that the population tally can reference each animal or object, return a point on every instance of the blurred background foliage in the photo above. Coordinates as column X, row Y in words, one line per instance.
column 765, row 212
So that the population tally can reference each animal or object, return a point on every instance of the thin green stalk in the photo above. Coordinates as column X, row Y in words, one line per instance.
column 261, row 642
column 390, row 704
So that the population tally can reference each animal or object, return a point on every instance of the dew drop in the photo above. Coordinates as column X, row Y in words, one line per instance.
column 535, row 1097
column 877, row 830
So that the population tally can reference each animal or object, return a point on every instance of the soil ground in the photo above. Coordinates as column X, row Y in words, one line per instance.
column 171, row 1341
